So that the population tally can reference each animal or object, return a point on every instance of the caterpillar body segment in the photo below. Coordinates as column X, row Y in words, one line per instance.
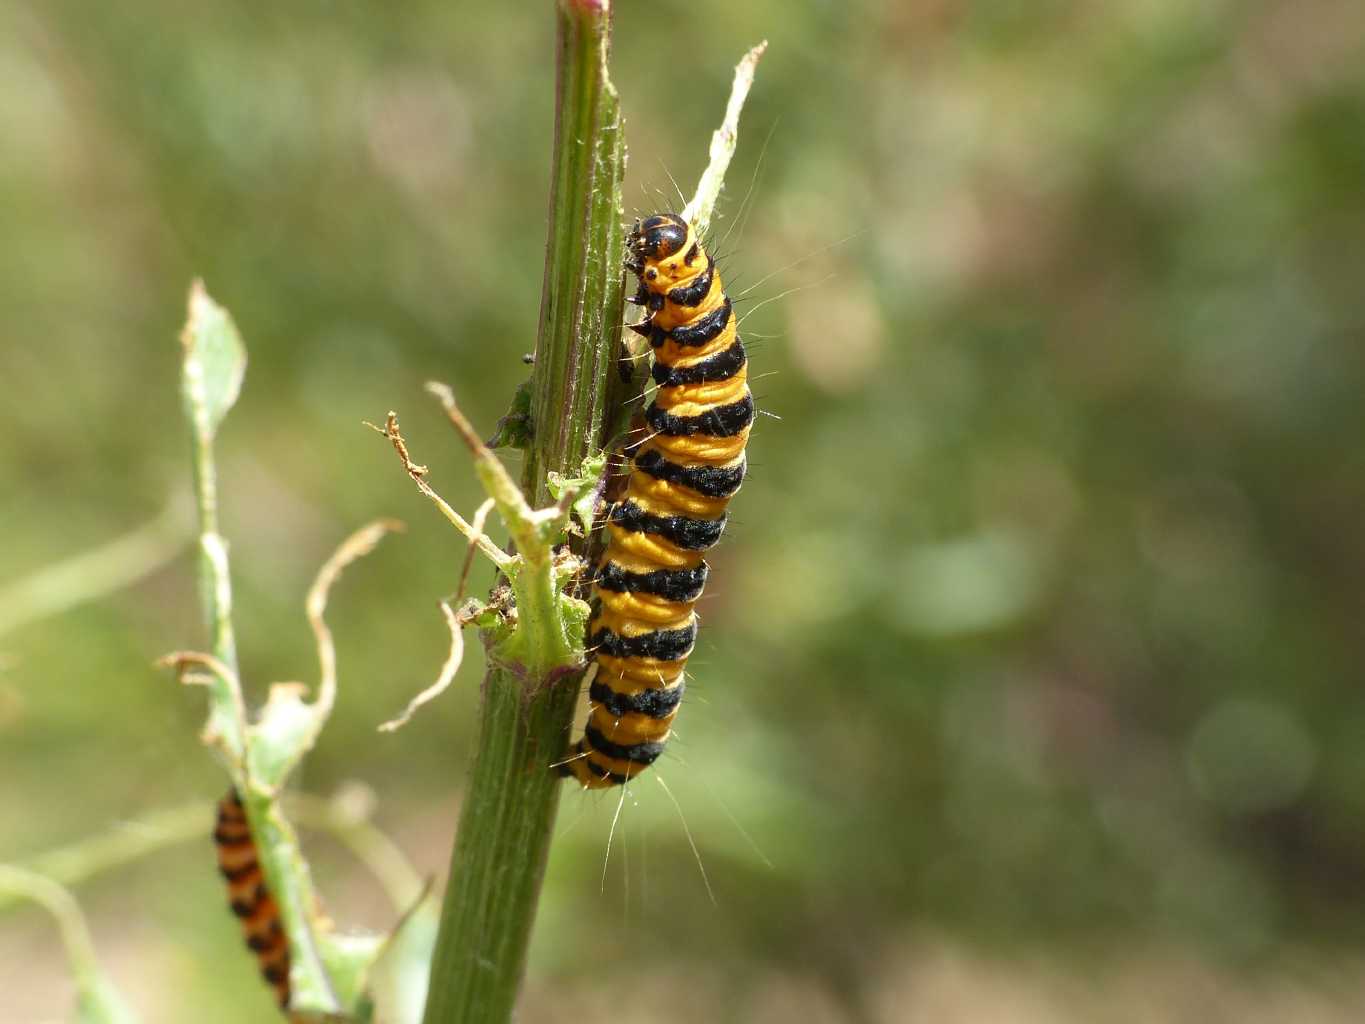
column 248, row 896
column 644, row 623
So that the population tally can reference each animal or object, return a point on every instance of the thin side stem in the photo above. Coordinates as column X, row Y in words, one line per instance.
column 91, row 574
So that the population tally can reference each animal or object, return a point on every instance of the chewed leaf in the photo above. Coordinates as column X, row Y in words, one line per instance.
column 289, row 725
column 456, row 622
column 215, row 362
column 287, row 729
column 400, row 983
column 348, row 959
column 723, row 142
column 582, row 490
column 357, row 545
column 575, row 614
column 226, row 729
column 514, row 429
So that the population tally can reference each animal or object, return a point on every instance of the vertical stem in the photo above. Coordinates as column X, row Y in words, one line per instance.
column 578, row 340
column 214, row 576
column 500, row 852
column 214, row 362
column 508, row 816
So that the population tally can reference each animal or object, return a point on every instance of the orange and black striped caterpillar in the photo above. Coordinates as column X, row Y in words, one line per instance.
column 248, row 897
column 682, row 477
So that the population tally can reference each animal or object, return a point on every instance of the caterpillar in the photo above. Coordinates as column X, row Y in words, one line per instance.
column 248, row 897
column 648, row 581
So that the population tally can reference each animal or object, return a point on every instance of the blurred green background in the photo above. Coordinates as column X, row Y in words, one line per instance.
column 1032, row 660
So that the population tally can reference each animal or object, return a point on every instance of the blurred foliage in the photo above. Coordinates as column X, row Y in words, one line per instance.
column 1038, row 623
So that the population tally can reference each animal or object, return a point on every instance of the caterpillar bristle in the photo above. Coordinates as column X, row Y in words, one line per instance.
column 683, row 475
column 248, row 897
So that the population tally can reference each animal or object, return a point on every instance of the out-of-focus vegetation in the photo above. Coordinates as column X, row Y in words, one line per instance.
column 1032, row 660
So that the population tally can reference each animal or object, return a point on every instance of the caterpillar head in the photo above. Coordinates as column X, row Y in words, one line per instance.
column 657, row 249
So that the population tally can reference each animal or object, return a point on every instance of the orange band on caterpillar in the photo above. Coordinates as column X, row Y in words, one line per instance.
column 682, row 477
column 248, row 896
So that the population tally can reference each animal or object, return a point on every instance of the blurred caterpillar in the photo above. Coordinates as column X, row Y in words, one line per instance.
column 248, row 897
column 683, row 475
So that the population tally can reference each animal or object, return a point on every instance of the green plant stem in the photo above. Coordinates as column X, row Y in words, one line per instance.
column 508, row 815
column 214, row 575
column 500, row 852
column 578, row 341
column 21, row 883
column 82, row 860
column 98, row 1001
